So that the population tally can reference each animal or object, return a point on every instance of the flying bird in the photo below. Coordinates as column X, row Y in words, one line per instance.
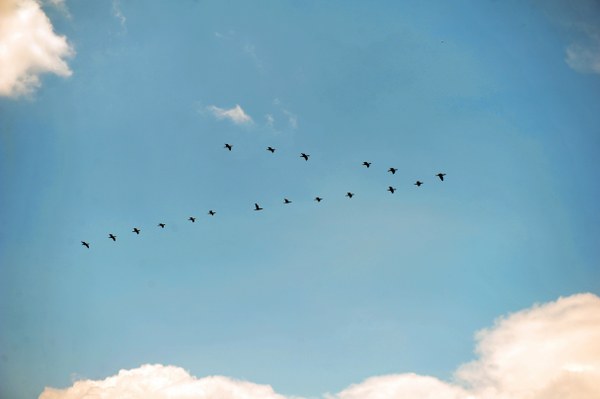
column 257, row 208
column 391, row 189
column 112, row 237
column 161, row 225
column 318, row 199
column 192, row 219
column 349, row 194
column 367, row 164
column 286, row 201
column 418, row 183
column 305, row 156
column 228, row 146
column 392, row 170
column 212, row 213
column 441, row 176
column 136, row 230
column 85, row 244
column 271, row 149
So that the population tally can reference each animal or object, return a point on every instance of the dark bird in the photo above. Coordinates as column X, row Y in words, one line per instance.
column 349, row 194
column 418, row 183
column 192, row 219
column 136, row 230
column 112, row 237
column 318, row 199
column 85, row 244
column 271, row 149
column 305, row 156
column 212, row 213
column 367, row 164
column 391, row 189
column 257, row 208
column 162, row 225
column 441, row 176
column 228, row 146
column 392, row 170
column 286, row 201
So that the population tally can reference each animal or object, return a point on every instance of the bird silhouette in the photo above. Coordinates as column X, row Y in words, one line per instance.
column 441, row 176
column 257, row 208
column 391, row 189
column 112, row 237
column 161, row 225
column 367, row 164
column 271, row 149
column 318, row 199
column 85, row 244
column 192, row 219
column 136, row 230
column 305, row 156
column 228, row 146
column 349, row 194
column 392, row 170
column 418, row 183
column 286, row 201
column 212, row 213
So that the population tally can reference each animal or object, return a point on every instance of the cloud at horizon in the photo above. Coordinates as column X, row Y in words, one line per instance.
column 29, row 47
column 548, row 351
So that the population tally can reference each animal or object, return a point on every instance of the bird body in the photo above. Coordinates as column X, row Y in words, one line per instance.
column 418, row 183
column 441, row 176
column 161, row 225
column 305, row 156
column 286, row 201
column 136, row 230
column 318, row 199
column 85, row 244
column 212, row 213
column 112, row 237
column 392, row 170
column 271, row 149
column 257, row 207
column 391, row 189
column 229, row 146
column 367, row 164
column 349, row 194
column 192, row 219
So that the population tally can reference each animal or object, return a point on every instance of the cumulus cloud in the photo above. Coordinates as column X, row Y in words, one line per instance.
column 550, row 351
column 28, row 47
column 235, row 114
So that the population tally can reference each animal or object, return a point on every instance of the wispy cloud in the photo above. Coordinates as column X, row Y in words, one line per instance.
column 235, row 114
column 29, row 48
column 270, row 120
column 292, row 119
column 118, row 13
column 585, row 58
column 550, row 351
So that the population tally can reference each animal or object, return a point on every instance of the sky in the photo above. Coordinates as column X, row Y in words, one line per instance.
column 114, row 115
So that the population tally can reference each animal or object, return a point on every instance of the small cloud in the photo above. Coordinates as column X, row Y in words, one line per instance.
column 29, row 47
column 118, row 13
column 584, row 58
column 60, row 5
column 292, row 119
column 270, row 120
column 235, row 114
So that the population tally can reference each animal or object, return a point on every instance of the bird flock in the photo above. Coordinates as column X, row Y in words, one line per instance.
column 286, row 201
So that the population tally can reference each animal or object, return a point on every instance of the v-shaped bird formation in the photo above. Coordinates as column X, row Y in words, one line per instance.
column 286, row 201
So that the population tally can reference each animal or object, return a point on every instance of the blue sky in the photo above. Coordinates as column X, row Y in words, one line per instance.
column 503, row 97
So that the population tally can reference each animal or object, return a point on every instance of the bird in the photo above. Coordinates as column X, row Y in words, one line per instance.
column 441, row 176
column 318, row 199
column 271, row 149
column 112, row 237
column 392, row 170
column 161, row 225
column 418, row 183
column 212, row 213
column 228, row 146
column 349, row 194
column 85, row 244
column 257, row 208
column 192, row 219
column 367, row 164
column 286, row 201
column 391, row 189
column 305, row 156
column 136, row 230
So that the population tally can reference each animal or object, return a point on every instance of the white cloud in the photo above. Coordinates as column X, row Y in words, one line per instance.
column 235, row 114
column 550, row 351
column 584, row 58
column 118, row 13
column 270, row 120
column 28, row 47
column 292, row 119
